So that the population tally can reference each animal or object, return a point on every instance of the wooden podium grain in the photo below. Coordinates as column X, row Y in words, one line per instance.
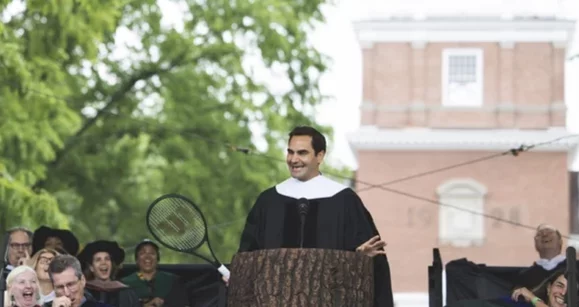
column 301, row 278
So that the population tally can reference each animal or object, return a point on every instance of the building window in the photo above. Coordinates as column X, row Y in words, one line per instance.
column 462, row 77
column 461, row 222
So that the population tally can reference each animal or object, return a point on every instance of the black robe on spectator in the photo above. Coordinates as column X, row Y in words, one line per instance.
column 90, row 302
column 337, row 219
column 534, row 275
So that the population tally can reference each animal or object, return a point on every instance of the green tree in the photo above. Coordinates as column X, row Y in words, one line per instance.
column 165, row 116
column 33, row 127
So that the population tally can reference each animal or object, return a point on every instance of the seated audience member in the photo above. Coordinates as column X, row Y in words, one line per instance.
column 549, row 246
column 22, row 288
column 550, row 293
column 471, row 283
column 69, row 284
column 155, row 288
column 40, row 262
column 101, row 261
column 19, row 248
column 56, row 239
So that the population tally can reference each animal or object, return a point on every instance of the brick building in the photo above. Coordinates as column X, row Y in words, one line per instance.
column 445, row 90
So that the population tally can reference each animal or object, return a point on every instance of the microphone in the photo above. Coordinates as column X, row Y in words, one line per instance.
column 4, row 254
column 303, row 209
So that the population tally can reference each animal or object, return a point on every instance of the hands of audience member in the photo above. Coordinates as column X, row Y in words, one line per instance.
column 225, row 280
column 371, row 248
column 24, row 260
column 156, row 302
column 524, row 293
column 62, row 301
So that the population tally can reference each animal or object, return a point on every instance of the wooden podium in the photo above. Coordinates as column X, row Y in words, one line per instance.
column 301, row 278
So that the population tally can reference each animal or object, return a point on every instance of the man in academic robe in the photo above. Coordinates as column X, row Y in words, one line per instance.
column 69, row 284
column 549, row 247
column 337, row 218
column 472, row 283
column 19, row 248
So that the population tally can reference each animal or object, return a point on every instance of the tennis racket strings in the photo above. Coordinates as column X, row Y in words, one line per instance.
column 178, row 224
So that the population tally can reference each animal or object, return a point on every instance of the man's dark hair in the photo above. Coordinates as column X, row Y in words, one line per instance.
column 61, row 263
column 318, row 139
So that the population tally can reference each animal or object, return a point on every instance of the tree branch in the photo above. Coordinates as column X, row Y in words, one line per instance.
column 114, row 99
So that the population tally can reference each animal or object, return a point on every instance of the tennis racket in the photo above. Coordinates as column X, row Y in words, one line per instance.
column 177, row 223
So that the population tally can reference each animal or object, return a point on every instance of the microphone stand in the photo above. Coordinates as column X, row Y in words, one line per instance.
column 303, row 209
column 303, row 222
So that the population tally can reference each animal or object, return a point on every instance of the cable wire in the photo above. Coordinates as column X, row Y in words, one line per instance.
column 514, row 152
column 247, row 151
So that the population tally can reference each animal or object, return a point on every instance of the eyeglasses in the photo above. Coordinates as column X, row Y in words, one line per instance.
column 19, row 245
column 71, row 286
column 44, row 260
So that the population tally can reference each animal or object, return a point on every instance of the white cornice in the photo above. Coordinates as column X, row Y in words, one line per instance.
column 465, row 30
column 424, row 139
column 487, row 108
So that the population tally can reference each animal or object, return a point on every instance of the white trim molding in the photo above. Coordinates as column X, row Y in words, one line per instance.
column 555, row 106
column 458, row 29
column 461, row 228
column 411, row 299
column 454, row 186
column 371, row 138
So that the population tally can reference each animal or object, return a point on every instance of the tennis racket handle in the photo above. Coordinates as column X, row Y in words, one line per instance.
column 224, row 271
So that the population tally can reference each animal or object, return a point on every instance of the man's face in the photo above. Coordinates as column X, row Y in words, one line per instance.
column 69, row 285
column 147, row 259
column 101, row 265
column 546, row 239
column 19, row 246
column 302, row 162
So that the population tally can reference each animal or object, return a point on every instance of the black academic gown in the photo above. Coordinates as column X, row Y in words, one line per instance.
column 337, row 219
column 534, row 275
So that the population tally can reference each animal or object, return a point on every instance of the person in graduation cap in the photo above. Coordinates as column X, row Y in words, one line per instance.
column 46, row 237
column 100, row 261
column 337, row 218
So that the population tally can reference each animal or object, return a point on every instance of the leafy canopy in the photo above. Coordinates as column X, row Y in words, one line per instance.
column 107, row 105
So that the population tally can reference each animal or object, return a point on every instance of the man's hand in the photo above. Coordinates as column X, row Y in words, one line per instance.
column 62, row 301
column 524, row 293
column 156, row 302
column 24, row 260
column 225, row 280
column 372, row 247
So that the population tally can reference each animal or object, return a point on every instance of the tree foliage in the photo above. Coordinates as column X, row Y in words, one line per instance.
column 103, row 128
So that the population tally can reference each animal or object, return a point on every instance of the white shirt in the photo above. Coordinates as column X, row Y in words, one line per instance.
column 549, row 264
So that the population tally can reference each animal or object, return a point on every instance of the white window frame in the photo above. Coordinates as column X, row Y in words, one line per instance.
column 450, row 193
column 479, row 54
